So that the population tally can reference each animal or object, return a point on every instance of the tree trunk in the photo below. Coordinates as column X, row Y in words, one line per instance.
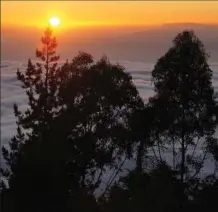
column 182, row 171
column 46, row 85
column 140, row 156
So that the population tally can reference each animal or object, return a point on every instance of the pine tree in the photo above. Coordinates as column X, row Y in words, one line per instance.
column 184, row 104
column 39, row 82
column 27, row 162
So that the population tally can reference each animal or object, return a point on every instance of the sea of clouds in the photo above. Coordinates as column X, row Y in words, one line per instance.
column 11, row 93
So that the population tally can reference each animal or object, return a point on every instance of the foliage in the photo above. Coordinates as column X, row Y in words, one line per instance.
column 76, row 127
column 85, row 118
column 184, row 104
column 142, row 191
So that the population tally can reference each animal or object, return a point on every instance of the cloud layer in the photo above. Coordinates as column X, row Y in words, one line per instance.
column 12, row 93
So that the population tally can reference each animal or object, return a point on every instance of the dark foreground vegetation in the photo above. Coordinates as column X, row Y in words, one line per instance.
column 85, row 119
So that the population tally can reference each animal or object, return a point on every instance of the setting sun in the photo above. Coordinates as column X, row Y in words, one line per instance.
column 54, row 21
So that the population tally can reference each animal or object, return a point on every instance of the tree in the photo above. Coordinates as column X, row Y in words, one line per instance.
column 142, row 125
column 104, row 100
column 181, row 115
column 40, row 82
column 30, row 168
column 145, row 191
column 184, row 105
column 75, row 127
column 205, row 195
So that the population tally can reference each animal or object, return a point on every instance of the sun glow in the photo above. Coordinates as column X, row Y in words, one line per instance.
column 54, row 21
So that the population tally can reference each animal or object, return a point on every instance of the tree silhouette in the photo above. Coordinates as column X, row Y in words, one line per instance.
column 145, row 191
column 142, row 125
column 86, row 118
column 39, row 81
column 75, row 128
column 181, row 116
column 104, row 100
column 31, row 165
column 205, row 195
column 184, row 104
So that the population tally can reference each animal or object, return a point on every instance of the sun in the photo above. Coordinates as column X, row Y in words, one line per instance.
column 54, row 21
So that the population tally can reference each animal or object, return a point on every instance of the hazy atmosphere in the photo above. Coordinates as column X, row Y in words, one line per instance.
column 134, row 31
column 138, row 105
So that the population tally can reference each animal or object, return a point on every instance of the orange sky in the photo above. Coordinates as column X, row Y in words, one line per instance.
column 37, row 13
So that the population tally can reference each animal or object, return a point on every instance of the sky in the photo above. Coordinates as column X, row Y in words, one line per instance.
column 105, row 13
column 96, row 26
